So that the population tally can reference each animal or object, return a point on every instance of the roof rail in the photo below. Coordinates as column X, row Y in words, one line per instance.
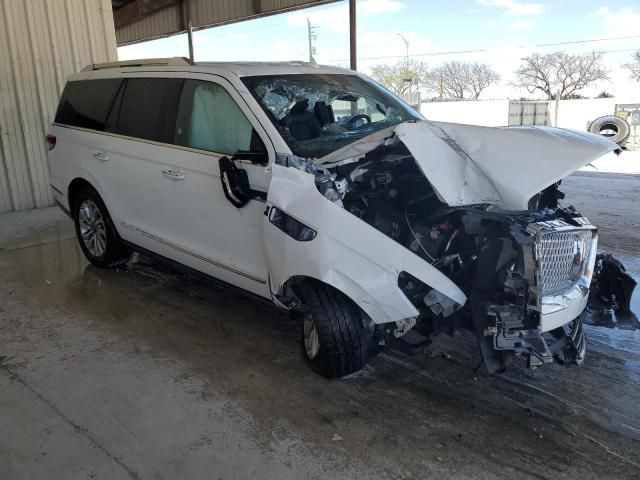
column 148, row 62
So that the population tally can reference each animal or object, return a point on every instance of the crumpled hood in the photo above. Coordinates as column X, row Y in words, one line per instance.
column 504, row 166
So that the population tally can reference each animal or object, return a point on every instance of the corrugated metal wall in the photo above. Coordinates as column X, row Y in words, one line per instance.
column 168, row 21
column 41, row 43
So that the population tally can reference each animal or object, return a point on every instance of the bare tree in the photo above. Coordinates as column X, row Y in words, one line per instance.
column 634, row 66
column 560, row 75
column 462, row 80
column 402, row 76
column 481, row 76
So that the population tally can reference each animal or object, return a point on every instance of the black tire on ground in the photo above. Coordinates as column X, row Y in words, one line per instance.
column 612, row 127
column 337, row 325
column 98, row 237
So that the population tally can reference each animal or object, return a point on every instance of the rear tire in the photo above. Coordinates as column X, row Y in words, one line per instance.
column 333, row 336
column 98, row 237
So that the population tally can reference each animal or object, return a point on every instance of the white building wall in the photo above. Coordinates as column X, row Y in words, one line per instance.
column 491, row 113
column 41, row 43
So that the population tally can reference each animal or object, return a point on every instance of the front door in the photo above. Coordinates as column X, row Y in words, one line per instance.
column 202, row 227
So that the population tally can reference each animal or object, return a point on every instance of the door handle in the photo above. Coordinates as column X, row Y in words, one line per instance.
column 103, row 157
column 173, row 175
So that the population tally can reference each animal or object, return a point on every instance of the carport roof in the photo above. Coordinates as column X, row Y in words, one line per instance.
column 140, row 20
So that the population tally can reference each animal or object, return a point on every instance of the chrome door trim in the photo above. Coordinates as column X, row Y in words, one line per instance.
column 195, row 255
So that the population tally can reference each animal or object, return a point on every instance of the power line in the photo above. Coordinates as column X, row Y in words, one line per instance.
column 484, row 50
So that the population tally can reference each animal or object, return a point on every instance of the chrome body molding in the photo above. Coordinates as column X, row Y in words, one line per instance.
column 195, row 255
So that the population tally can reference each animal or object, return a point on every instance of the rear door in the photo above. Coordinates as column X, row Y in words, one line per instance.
column 79, row 124
column 205, row 230
column 134, row 158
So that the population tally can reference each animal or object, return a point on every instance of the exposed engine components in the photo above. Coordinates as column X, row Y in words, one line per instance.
column 493, row 255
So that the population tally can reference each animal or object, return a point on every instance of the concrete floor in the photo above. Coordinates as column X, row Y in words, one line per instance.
column 145, row 372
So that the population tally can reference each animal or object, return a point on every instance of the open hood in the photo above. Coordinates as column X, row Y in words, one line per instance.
column 504, row 166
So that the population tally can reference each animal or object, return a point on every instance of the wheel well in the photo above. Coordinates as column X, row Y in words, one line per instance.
column 75, row 187
column 289, row 292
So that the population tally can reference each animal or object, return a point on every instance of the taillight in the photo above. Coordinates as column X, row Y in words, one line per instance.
column 51, row 141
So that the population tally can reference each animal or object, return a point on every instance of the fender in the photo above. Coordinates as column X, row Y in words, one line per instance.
column 346, row 253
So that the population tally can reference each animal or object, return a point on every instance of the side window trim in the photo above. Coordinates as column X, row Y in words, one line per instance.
column 117, row 99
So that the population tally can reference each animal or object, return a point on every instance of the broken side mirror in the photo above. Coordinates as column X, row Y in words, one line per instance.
column 259, row 158
column 235, row 183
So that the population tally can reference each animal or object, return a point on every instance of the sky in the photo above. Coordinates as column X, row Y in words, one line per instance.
column 500, row 33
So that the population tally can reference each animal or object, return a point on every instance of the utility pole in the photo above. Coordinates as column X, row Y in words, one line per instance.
column 352, row 35
column 311, row 36
column 406, row 44
column 190, row 31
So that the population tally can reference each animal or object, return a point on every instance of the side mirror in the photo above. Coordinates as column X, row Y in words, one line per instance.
column 235, row 183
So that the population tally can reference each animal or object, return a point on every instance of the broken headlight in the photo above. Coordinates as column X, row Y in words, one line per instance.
column 289, row 225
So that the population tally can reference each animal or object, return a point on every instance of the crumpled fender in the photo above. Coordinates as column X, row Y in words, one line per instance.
column 346, row 253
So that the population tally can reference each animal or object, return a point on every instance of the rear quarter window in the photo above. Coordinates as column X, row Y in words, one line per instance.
column 87, row 103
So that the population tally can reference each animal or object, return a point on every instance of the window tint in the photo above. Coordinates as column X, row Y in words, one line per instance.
column 148, row 108
column 210, row 119
column 86, row 103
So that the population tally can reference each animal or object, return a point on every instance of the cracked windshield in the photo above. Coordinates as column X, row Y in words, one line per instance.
column 318, row 114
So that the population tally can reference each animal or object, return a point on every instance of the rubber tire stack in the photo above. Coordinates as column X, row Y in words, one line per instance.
column 611, row 122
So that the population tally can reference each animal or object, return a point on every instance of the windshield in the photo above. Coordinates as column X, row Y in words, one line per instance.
column 317, row 114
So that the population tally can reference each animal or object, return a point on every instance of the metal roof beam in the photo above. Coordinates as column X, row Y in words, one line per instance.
column 139, row 9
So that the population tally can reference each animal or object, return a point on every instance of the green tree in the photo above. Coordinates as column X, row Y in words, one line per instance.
column 402, row 76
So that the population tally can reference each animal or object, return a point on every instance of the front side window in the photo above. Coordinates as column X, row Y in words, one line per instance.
column 210, row 119
column 317, row 114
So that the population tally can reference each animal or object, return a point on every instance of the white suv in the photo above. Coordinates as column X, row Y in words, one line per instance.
column 317, row 188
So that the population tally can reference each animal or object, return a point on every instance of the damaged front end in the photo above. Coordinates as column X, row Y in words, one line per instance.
column 525, row 273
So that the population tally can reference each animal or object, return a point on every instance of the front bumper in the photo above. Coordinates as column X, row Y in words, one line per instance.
column 558, row 310
column 564, row 344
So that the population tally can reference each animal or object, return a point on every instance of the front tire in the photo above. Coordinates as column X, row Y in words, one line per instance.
column 98, row 237
column 333, row 334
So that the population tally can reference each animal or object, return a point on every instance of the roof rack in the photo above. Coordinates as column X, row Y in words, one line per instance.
column 148, row 62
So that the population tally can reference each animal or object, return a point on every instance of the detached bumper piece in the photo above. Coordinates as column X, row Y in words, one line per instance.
column 505, row 336
column 611, row 287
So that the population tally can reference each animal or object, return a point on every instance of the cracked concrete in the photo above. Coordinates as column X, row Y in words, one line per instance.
column 149, row 372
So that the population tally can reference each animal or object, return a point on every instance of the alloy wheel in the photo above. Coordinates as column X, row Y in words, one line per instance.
column 92, row 228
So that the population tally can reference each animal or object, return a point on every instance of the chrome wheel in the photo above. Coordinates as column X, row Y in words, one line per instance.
column 311, row 338
column 92, row 228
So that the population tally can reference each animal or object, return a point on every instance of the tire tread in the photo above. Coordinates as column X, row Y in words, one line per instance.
column 340, row 330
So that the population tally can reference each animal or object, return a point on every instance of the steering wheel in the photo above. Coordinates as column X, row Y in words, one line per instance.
column 359, row 116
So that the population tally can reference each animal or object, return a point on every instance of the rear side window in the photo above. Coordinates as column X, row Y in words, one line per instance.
column 86, row 103
column 147, row 108
column 210, row 119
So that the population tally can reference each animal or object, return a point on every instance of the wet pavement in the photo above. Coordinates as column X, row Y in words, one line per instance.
column 149, row 372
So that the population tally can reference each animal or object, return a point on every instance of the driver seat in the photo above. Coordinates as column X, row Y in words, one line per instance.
column 301, row 123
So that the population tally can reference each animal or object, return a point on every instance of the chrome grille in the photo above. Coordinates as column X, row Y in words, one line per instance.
column 562, row 257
